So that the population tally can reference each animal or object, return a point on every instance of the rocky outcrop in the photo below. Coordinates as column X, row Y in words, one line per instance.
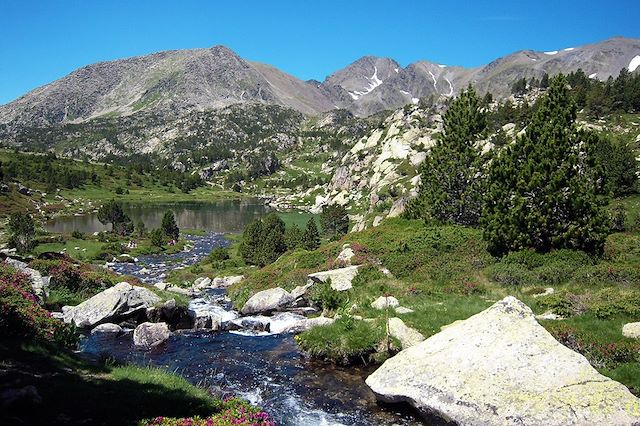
column 111, row 305
column 406, row 335
column 631, row 330
column 340, row 278
column 177, row 317
column 150, row 334
column 267, row 301
column 500, row 367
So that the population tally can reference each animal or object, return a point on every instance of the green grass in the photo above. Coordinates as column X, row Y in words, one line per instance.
column 346, row 341
column 85, row 392
column 83, row 250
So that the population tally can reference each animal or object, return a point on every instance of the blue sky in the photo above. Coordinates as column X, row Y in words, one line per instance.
column 42, row 41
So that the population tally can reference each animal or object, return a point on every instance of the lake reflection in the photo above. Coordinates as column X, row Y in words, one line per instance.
column 218, row 216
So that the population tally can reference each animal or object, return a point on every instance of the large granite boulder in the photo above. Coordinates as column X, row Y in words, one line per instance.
column 151, row 334
column 111, row 305
column 267, row 301
column 340, row 278
column 500, row 367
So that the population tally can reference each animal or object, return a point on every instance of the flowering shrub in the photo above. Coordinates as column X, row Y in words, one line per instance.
column 233, row 412
column 20, row 315
column 600, row 355
column 84, row 280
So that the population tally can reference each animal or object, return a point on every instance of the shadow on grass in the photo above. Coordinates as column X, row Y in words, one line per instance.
column 74, row 391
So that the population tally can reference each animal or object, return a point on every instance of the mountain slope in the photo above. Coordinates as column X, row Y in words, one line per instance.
column 167, row 83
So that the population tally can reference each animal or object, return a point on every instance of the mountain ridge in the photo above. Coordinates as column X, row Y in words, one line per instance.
column 173, row 82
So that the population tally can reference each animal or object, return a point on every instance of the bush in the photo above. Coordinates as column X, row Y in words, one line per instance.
column 327, row 298
column 73, row 282
column 22, row 318
column 219, row 254
column 233, row 411
column 511, row 274
column 77, row 235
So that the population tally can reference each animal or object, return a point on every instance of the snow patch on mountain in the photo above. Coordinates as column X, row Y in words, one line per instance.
column 594, row 75
column 569, row 49
column 415, row 100
column 434, row 80
column 553, row 52
column 634, row 64
column 450, row 87
column 374, row 82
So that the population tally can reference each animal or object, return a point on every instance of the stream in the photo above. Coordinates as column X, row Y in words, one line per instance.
column 266, row 369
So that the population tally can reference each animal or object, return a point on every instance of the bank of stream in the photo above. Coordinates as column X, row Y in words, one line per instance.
column 267, row 369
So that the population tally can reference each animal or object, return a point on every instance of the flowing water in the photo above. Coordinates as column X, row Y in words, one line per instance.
column 267, row 369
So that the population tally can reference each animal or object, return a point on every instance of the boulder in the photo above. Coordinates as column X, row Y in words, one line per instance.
column 107, row 329
column 340, row 278
column 151, row 334
column 384, row 302
column 406, row 335
column 224, row 282
column 631, row 330
column 202, row 282
column 267, row 301
column 402, row 310
column 111, row 305
column 255, row 323
column 501, row 367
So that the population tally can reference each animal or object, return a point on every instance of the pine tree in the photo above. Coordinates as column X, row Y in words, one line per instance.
column 293, row 237
column 251, row 242
column 272, row 244
column 334, row 220
column 311, row 237
column 157, row 237
column 452, row 174
column 544, row 81
column 542, row 191
column 169, row 225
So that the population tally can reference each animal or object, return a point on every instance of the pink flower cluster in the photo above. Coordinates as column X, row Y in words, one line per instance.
column 234, row 412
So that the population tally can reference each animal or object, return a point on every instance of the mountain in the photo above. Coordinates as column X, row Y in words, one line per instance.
column 373, row 84
column 170, row 84
column 167, row 83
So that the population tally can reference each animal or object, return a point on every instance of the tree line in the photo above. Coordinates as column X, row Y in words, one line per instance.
column 546, row 190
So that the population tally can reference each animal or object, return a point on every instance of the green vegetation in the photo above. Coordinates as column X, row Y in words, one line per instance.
column 542, row 193
column 452, row 186
column 112, row 213
column 446, row 273
column 169, row 226
column 334, row 220
column 346, row 341
column 21, row 232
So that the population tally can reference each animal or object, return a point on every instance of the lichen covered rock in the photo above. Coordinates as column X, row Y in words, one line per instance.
column 500, row 367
